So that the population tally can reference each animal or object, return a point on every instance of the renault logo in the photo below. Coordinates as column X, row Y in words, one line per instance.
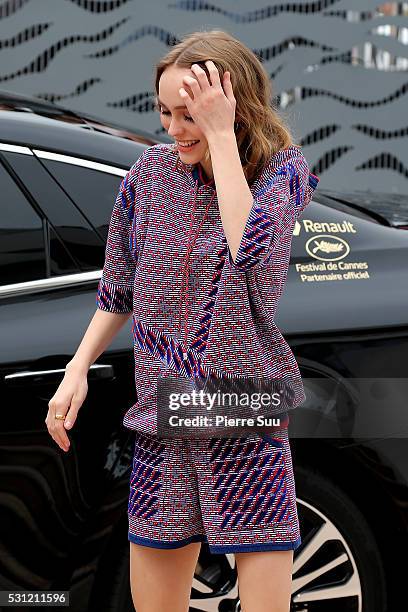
column 296, row 230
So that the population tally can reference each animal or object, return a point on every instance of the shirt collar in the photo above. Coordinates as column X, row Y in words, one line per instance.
column 199, row 176
column 194, row 170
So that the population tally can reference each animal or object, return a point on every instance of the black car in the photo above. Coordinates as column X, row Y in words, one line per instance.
column 63, row 516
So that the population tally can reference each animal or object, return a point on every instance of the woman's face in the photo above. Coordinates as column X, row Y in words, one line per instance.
column 175, row 117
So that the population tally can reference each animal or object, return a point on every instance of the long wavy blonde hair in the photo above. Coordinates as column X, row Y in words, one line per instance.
column 261, row 130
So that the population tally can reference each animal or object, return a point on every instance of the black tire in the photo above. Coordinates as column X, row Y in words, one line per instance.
column 320, row 493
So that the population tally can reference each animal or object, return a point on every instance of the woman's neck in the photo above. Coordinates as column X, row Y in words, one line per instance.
column 207, row 172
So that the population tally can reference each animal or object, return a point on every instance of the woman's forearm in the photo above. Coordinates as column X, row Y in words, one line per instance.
column 234, row 196
column 102, row 329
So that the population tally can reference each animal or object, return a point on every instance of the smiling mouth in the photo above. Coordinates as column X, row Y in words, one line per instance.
column 186, row 147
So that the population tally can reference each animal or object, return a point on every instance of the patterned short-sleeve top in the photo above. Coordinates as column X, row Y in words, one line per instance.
column 165, row 228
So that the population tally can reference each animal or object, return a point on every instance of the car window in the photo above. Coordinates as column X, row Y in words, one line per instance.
column 75, row 233
column 93, row 191
column 22, row 247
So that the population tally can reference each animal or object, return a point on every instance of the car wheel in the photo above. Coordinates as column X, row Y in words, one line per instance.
column 338, row 565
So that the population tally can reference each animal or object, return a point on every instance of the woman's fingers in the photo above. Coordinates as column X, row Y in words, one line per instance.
column 56, row 426
column 228, row 88
column 193, row 85
column 76, row 402
column 60, row 435
column 214, row 74
column 201, row 76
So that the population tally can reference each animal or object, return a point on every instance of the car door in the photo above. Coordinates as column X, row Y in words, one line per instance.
column 52, row 503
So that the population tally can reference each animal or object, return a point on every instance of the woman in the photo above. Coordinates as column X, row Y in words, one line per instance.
column 198, row 252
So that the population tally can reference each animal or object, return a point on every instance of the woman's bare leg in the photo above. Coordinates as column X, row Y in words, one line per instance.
column 264, row 580
column 161, row 579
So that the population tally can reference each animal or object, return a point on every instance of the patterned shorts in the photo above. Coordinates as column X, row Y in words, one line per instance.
column 236, row 494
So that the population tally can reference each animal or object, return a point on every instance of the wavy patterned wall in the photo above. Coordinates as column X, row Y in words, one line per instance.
column 339, row 69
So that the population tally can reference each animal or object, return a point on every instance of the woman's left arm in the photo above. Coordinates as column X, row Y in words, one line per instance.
column 252, row 225
column 213, row 110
